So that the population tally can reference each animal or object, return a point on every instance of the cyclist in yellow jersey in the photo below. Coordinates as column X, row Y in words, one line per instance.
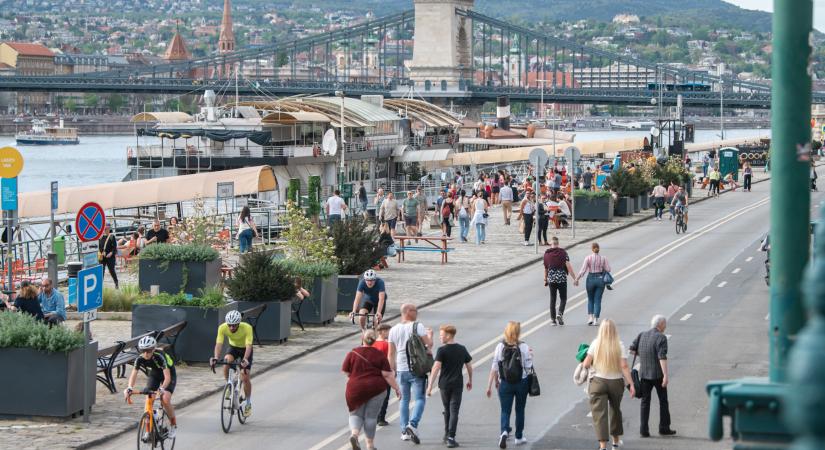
column 240, row 336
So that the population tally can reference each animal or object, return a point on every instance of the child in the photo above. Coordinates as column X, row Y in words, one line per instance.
column 450, row 360
column 732, row 184
column 382, row 344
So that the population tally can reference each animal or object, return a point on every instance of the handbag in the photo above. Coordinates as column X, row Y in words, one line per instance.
column 533, row 388
column 100, row 253
column 634, row 374
column 607, row 278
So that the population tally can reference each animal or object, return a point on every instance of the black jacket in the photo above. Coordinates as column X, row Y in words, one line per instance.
column 108, row 244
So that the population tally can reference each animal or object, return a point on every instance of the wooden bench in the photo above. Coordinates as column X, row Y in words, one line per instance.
column 168, row 336
column 117, row 356
column 251, row 317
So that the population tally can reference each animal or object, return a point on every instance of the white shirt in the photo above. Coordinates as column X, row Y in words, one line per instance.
column 607, row 375
column 506, row 193
column 526, row 358
column 564, row 208
column 399, row 335
column 336, row 205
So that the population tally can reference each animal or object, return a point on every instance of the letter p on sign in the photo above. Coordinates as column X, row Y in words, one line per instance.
column 90, row 288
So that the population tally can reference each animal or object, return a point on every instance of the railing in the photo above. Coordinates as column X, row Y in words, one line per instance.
column 270, row 151
column 430, row 140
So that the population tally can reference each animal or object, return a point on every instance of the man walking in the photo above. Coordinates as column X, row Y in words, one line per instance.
column 505, row 194
column 388, row 212
column 410, row 384
column 587, row 180
column 422, row 207
column 409, row 209
column 651, row 348
column 362, row 198
column 335, row 208
column 450, row 360
column 556, row 269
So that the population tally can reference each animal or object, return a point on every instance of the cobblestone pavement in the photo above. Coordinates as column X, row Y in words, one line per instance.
column 412, row 281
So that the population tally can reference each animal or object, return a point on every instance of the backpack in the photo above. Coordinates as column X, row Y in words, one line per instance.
column 510, row 368
column 419, row 360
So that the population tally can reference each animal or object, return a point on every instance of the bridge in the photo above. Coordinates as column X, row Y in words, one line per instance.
column 441, row 49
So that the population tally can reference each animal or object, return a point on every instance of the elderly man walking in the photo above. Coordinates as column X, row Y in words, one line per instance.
column 651, row 348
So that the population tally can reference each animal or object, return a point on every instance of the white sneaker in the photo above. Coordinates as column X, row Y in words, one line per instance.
column 595, row 322
column 502, row 440
column 405, row 436
column 526, row 244
column 173, row 431
column 521, row 441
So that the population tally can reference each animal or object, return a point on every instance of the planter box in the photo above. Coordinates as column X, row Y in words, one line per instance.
column 645, row 200
column 199, row 275
column 273, row 325
column 624, row 207
column 637, row 203
column 594, row 208
column 322, row 304
column 201, row 326
column 347, row 284
column 52, row 384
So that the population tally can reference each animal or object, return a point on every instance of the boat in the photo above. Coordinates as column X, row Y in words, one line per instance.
column 43, row 134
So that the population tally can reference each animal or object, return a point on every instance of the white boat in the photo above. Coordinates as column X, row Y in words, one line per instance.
column 635, row 125
column 42, row 134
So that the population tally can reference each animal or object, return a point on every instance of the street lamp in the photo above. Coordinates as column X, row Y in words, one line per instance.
column 721, row 101
column 544, row 81
column 343, row 147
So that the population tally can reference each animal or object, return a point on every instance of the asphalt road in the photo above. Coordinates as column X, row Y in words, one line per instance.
column 301, row 405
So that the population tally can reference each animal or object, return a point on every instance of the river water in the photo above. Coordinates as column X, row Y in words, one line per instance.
column 102, row 159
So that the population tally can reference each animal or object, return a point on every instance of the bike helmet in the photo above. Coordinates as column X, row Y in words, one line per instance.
column 233, row 318
column 370, row 275
column 146, row 343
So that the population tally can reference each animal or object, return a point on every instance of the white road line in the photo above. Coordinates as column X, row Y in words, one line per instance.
column 768, row 316
column 686, row 317
column 722, row 284
column 736, row 270
column 705, row 299
column 749, row 259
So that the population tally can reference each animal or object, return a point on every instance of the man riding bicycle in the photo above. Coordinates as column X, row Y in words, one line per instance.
column 370, row 297
column 162, row 377
column 240, row 336
column 680, row 202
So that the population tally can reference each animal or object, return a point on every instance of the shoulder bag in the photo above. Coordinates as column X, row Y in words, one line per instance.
column 101, row 254
column 634, row 374
column 533, row 388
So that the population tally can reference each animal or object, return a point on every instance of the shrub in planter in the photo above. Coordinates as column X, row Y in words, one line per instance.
column 179, row 268
column 321, row 280
column 53, row 359
column 593, row 205
column 357, row 249
column 624, row 206
column 259, row 278
column 120, row 300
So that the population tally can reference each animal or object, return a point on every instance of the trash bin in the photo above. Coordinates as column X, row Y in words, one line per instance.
column 60, row 249
column 729, row 162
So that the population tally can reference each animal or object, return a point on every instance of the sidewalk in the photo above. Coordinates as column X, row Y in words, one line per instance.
column 420, row 280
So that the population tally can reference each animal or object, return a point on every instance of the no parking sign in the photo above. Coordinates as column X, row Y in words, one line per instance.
column 90, row 222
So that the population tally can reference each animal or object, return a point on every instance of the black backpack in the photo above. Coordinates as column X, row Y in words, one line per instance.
column 510, row 368
column 419, row 360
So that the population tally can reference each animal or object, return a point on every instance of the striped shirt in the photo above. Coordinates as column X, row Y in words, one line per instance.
column 594, row 263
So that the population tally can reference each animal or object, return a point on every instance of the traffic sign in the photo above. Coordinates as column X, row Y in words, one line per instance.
column 90, row 288
column 90, row 222
column 8, row 186
column 11, row 162
column 54, row 196
column 538, row 158
column 89, row 316
column 572, row 154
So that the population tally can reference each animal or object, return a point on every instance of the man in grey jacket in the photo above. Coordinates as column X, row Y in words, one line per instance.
column 651, row 348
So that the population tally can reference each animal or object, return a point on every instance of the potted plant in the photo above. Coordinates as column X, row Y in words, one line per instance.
column 186, row 268
column 593, row 205
column 259, row 278
column 53, row 361
column 202, row 314
column 621, row 182
column 356, row 249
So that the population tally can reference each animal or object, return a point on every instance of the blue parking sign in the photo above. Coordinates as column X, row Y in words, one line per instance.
column 90, row 289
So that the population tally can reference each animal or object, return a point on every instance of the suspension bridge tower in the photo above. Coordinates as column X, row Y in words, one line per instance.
column 442, row 50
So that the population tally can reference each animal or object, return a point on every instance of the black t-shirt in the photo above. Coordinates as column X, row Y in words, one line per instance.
column 155, row 365
column 453, row 357
column 162, row 235
column 29, row 306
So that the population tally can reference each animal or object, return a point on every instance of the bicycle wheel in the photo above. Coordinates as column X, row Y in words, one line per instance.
column 227, row 408
column 162, row 427
column 678, row 226
column 145, row 435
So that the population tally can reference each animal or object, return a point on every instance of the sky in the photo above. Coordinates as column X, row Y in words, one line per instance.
column 767, row 5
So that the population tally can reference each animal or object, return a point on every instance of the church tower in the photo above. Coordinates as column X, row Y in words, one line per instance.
column 226, row 42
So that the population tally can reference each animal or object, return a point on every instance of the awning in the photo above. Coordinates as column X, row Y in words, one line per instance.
column 163, row 117
column 258, row 137
column 704, row 146
column 423, row 156
column 506, row 155
column 130, row 194
column 289, row 118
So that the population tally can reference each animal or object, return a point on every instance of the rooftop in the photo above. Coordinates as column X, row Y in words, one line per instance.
column 27, row 49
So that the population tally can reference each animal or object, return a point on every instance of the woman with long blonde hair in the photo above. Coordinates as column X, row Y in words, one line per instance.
column 608, row 358
column 511, row 386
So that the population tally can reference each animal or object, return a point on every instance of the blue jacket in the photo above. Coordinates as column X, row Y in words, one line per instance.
column 53, row 303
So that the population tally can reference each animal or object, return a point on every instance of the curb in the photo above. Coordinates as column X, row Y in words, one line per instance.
column 314, row 349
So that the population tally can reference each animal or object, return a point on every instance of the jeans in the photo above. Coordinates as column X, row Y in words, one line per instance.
column 507, row 392
column 747, row 185
column 363, row 204
column 481, row 232
column 447, row 227
column 334, row 218
column 704, row 170
column 561, row 290
column 659, row 202
column 464, row 227
column 528, row 226
column 664, row 409
column 382, row 414
column 544, row 222
column 410, row 385
column 451, row 399
column 595, row 289
column 245, row 240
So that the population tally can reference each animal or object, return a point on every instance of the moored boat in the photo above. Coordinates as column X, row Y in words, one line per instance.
column 42, row 134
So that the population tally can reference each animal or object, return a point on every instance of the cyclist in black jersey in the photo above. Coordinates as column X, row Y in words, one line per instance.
column 162, row 377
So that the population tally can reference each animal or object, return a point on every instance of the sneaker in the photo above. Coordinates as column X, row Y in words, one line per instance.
column 526, row 243
column 405, row 436
column 502, row 440
column 451, row 443
column 667, row 432
column 521, row 441
column 413, row 433
column 596, row 322
column 616, row 446
column 554, row 323
column 247, row 409
column 382, row 423
column 590, row 322
column 559, row 318
column 173, row 431
column 228, row 394
column 353, row 441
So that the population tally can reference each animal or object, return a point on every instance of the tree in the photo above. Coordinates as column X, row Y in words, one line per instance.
column 91, row 100
column 71, row 105
column 116, row 101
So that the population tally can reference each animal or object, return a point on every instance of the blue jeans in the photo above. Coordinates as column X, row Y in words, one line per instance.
column 595, row 289
column 507, row 392
column 363, row 204
column 409, row 382
column 334, row 218
column 464, row 227
column 245, row 240
column 481, row 232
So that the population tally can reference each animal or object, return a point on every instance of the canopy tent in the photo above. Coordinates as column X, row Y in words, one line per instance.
column 130, row 194
column 258, row 137
column 506, row 155
column 163, row 117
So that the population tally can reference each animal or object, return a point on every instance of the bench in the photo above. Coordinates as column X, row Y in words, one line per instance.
column 434, row 244
column 415, row 248
column 251, row 317
column 117, row 356
column 168, row 336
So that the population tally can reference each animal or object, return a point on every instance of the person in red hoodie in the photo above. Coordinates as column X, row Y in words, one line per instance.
column 556, row 269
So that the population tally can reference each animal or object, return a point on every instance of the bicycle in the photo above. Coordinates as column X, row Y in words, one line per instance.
column 370, row 323
column 153, row 428
column 232, row 397
column 681, row 226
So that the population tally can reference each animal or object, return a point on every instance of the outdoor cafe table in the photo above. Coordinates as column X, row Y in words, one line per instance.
column 434, row 244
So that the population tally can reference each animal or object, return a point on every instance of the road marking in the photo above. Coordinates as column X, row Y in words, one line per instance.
column 768, row 316
column 749, row 259
column 705, row 299
column 722, row 284
column 618, row 278
column 686, row 317
column 736, row 270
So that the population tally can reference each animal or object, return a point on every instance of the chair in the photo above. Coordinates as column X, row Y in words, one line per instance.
column 251, row 317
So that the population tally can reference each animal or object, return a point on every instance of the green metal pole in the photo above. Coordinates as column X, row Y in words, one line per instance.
column 790, row 191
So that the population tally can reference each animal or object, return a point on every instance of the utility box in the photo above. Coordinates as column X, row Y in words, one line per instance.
column 729, row 162
column 60, row 249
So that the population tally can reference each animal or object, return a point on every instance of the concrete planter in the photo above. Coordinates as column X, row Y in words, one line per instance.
column 646, row 200
column 624, row 207
column 51, row 385
column 274, row 323
column 347, row 284
column 201, row 326
column 596, row 208
column 175, row 276
column 322, row 305
column 637, row 203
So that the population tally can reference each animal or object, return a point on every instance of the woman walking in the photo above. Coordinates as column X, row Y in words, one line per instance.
column 480, row 218
column 747, row 174
column 510, row 381
column 246, row 230
column 608, row 357
column 658, row 194
column 526, row 211
column 447, row 214
column 596, row 265
column 463, row 205
column 544, row 219
column 368, row 372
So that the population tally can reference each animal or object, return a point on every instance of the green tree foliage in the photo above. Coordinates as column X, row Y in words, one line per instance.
column 305, row 241
column 259, row 278
column 356, row 245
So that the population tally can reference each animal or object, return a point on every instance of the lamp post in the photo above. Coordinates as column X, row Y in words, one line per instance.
column 544, row 81
column 722, row 101
column 341, row 171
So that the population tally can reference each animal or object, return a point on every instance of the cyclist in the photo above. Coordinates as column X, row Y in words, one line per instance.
column 240, row 348
column 162, row 377
column 370, row 297
column 680, row 201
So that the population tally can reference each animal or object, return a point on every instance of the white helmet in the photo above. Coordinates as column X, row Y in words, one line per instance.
column 370, row 275
column 233, row 317
column 146, row 343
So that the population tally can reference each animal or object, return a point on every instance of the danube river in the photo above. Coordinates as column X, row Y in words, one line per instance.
column 102, row 159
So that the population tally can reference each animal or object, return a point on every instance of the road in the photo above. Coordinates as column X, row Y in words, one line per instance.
column 301, row 405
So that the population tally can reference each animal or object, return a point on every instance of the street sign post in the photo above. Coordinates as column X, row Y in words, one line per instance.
column 90, row 222
column 11, row 164
column 572, row 154
column 89, row 299
column 538, row 158
column 9, row 193
column 52, row 256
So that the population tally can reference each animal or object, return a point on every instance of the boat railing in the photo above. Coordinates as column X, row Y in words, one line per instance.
column 252, row 151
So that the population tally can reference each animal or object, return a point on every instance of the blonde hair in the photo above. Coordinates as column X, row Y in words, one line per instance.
column 448, row 329
column 512, row 332
column 607, row 351
column 369, row 337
